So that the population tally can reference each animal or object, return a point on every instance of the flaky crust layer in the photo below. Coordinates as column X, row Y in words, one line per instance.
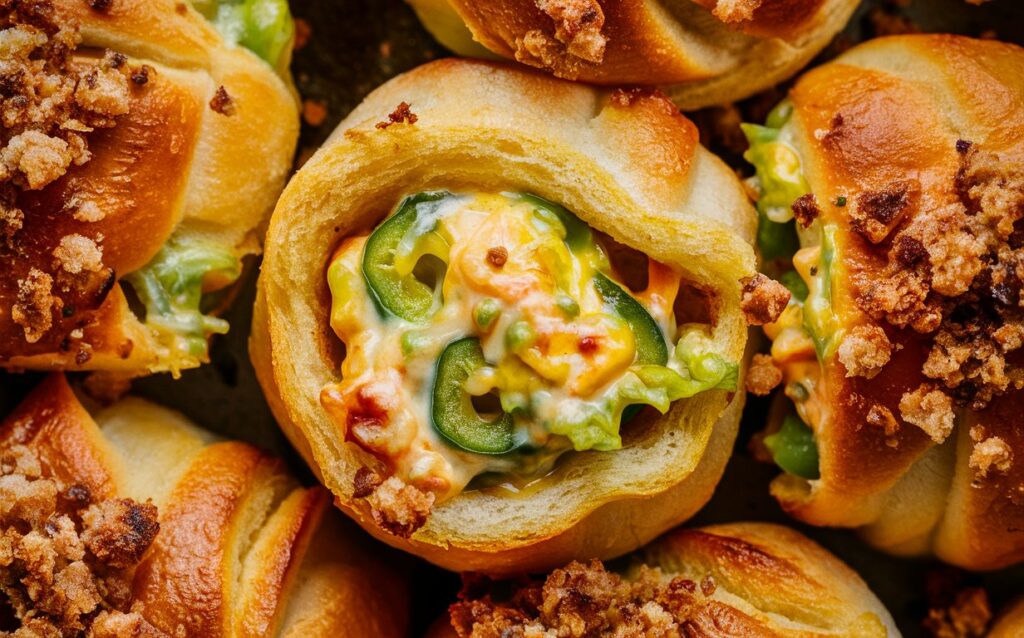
column 889, row 110
column 242, row 550
column 700, row 52
column 171, row 163
column 629, row 165
column 768, row 580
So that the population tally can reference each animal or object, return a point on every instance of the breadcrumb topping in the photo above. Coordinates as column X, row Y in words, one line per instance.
column 864, row 351
column 956, row 273
column 396, row 506
column 734, row 11
column 576, row 40
column 990, row 453
column 763, row 300
column 77, row 253
column 35, row 303
column 929, row 409
column 582, row 600
column 763, row 375
column 66, row 563
column 967, row 616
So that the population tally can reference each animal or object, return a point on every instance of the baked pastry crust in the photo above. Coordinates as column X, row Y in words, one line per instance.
column 628, row 164
column 171, row 163
column 749, row 579
column 890, row 110
column 1010, row 623
column 242, row 548
column 700, row 52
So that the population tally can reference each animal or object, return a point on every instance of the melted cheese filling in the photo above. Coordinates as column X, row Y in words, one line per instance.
column 507, row 273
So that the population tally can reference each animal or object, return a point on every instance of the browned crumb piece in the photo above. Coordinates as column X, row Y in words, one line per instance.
column 876, row 213
column 77, row 253
column 956, row 272
column 402, row 113
column 865, row 351
column 882, row 417
column 733, row 11
column 33, row 309
column 967, row 616
column 222, row 103
column 365, row 482
column 990, row 453
column 805, row 209
column 576, row 38
column 763, row 300
column 763, row 375
column 303, row 33
column 399, row 508
column 54, row 580
column 583, row 600
column 118, row 532
column 929, row 409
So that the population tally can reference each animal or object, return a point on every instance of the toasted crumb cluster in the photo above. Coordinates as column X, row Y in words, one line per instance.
column 577, row 39
column 582, row 600
column 929, row 409
column 66, row 562
column 763, row 300
column 763, row 375
column 733, row 11
column 956, row 273
column 967, row 616
column 396, row 506
column 990, row 453
column 865, row 351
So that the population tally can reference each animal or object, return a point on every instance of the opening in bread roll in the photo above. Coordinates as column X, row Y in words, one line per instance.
column 464, row 293
column 142, row 151
column 891, row 204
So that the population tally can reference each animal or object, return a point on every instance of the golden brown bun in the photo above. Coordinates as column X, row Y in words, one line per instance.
column 769, row 581
column 904, row 103
column 629, row 165
column 242, row 550
column 1010, row 624
column 170, row 165
column 701, row 52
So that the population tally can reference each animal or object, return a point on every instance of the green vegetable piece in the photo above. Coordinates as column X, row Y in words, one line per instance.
column 520, row 336
column 452, row 411
column 265, row 27
column 577, row 234
column 589, row 428
column 776, row 240
column 792, row 280
column 820, row 319
column 171, row 288
column 567, row 305
column 486, row 312
column 794, row 449
column 650, row 342
column 402, row 296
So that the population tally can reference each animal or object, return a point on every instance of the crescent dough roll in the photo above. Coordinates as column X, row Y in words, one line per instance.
column 1010, row 624
column 901, row 161
column 140, row 155
column 741, row 579
column 492, row 339
column 184, row 534
column 701, row 52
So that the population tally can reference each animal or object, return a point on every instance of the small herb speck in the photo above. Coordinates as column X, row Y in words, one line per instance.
column 841, row 200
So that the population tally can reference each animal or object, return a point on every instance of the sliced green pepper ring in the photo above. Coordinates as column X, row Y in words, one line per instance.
column 577, row 234
column 452, row 411
column 405, row 296
column 651, row 348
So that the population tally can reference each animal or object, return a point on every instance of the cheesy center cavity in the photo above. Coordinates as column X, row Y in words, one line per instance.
column 490, row 333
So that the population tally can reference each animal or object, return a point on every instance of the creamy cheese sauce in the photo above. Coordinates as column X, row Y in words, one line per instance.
column 559, row 359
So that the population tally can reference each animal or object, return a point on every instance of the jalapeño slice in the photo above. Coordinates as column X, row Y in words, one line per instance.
column 452, row 411
column 650, row 342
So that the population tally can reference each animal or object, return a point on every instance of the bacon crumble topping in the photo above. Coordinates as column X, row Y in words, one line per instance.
column 66, row 562
column 577, row 39
column 763, row 299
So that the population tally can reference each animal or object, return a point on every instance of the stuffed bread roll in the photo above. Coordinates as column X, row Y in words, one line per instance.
column 701, row 52
column 901, row 162
column 741, row 579
column 467, row 291
column 140, row 154
column 133, row 521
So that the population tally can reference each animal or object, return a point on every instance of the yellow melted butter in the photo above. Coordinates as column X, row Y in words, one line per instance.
column 539, row 267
